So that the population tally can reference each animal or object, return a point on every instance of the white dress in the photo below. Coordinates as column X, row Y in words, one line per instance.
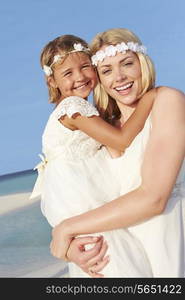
column 76, row 176
column 162, row 236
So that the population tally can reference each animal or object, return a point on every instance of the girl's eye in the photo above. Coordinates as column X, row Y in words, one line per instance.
column 86, row 66
column 67, row 74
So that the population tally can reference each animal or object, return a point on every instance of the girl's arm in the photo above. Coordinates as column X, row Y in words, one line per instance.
column 106, row 134
column 113, row 152
column 163, row 158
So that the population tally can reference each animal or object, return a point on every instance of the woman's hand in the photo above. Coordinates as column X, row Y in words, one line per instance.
column 60, row 241
column 91, row 261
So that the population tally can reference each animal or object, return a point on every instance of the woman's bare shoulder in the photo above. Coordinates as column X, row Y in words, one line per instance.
column 170, row 92
column 168, row 107
column 168, row 98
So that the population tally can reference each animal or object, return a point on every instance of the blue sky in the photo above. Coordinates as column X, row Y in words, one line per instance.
column 26, row 26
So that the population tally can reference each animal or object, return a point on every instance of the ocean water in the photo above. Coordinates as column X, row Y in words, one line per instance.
column 25, row 234
column 18, row 182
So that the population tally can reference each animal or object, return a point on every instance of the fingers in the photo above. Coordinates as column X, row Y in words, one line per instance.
column 99, row 257
column 89, row 254
column 80, row 256
column 98, row 267
column 81, row 242
column 94, row 265
column 96, row 275
column 88, row 240
column 94, row 270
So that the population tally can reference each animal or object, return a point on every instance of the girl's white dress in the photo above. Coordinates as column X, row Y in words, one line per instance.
column 77, row 175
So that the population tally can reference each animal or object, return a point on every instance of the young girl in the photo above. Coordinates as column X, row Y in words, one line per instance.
column 75, row 175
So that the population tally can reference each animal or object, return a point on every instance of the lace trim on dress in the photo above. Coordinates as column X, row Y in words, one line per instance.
column 71, row 105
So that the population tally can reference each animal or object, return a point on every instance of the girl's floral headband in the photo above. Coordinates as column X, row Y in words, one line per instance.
column 112, row 50
column 77, row 48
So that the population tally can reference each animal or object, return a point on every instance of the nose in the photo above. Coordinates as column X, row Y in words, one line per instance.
column 119, row 75
column 80, row 76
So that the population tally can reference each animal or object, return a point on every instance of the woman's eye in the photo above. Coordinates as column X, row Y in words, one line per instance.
column 129, row 63
column 106, row 71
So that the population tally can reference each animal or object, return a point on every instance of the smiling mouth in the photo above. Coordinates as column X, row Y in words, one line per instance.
column 82, row 85
column 124, row 87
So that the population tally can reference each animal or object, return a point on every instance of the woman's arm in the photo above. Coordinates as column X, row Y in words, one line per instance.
column 106, row 134
column 162, row 161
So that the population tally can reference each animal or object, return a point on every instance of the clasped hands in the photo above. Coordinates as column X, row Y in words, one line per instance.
column 91, row 261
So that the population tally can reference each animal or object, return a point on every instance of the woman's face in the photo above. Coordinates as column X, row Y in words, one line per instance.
column 120, row 76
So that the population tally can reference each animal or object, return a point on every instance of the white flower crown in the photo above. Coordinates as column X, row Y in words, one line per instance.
column 112, row 50
column 77, row 48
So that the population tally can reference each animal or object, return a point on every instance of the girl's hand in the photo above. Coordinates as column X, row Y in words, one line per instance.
column 91, row 261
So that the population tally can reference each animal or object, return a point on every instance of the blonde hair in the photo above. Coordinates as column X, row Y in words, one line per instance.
column 106, row 104
column 61, row 45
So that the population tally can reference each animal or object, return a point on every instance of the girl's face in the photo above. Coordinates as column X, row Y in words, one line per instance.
column 120, row 76
column 75, row 76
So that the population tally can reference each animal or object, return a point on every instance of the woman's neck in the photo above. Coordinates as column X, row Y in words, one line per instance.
column 126, row 112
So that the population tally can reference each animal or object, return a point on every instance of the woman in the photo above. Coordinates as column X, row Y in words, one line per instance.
column 151, row 171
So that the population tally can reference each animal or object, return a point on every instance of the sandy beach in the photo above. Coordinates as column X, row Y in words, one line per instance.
column 11, row 202
column 24, row 240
